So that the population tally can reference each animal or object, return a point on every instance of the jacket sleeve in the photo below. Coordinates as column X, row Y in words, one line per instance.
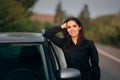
column 51, row 35
column 94, row 61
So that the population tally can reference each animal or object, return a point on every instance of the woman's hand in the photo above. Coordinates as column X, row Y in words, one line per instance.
column 64, row 26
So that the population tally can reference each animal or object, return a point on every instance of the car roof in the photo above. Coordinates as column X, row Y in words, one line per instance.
column 21, row 37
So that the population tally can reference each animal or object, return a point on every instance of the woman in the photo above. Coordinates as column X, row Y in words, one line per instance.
column 79, row 52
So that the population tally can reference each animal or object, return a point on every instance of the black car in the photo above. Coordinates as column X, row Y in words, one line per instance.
column 30, row 56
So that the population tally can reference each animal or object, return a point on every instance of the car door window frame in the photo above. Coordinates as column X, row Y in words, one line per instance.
column 50, row 59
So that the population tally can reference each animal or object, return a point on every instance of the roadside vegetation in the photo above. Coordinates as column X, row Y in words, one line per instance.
column 105, row 30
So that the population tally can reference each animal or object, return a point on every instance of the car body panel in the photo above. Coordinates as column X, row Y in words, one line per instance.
column 21, row 37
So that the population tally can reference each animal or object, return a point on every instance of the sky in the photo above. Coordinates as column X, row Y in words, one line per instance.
column 74, row 7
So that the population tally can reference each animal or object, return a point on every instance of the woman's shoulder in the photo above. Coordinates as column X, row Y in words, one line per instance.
column 89, row 42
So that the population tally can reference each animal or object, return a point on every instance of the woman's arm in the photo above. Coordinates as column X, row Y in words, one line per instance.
column 94, row 61
column 51, row 35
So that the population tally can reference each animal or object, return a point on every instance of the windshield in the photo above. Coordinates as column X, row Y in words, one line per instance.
column 14, row 50
column 21, row 56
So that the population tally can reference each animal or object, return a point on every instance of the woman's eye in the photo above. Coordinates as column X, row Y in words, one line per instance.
column 74, row 25
column 68, row 27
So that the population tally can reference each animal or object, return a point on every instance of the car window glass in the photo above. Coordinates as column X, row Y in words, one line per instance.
column 20, row 57
column 60, row 56
column 8, row 50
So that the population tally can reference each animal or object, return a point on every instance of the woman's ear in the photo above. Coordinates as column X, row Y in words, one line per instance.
column 80, row 28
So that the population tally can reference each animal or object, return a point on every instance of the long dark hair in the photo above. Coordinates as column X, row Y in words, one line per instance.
column 81, row 37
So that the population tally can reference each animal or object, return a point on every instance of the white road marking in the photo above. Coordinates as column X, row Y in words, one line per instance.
column 108, row 55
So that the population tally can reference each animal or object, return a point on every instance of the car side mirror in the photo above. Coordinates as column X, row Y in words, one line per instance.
column 70, row 73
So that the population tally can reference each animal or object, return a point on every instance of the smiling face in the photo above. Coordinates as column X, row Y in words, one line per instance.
column 73, row 28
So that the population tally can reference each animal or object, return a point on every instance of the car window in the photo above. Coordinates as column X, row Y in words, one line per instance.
column 19, row 60
column 60, row 56
column 9, row 51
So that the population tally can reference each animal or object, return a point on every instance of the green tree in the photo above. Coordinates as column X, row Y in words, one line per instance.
column 11, row 13
column 84, row 15
column 60, row 14
column 116, row 26
column 27, row 3
column 106, row 29
column 12, row 16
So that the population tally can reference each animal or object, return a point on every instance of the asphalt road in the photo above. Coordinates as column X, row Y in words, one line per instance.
column 109, row 62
